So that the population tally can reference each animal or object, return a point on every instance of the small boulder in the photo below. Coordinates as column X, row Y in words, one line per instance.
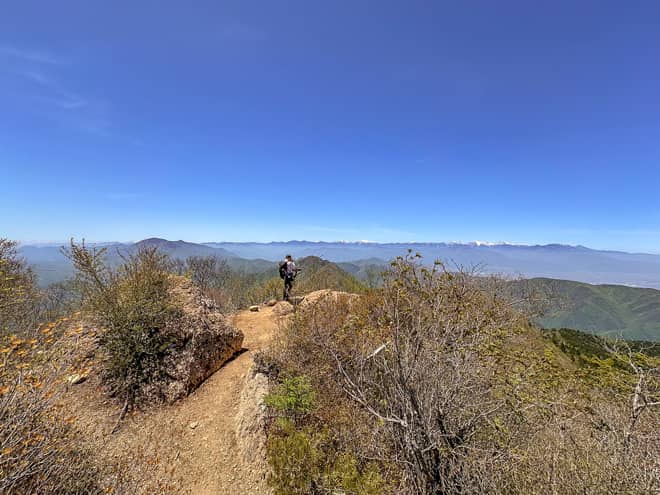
column 271, row 302
column 76, row 378
column 254, row 308
column 283, row 308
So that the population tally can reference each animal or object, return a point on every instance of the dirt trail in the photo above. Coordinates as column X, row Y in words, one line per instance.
column 194, row 440
column 220, row 467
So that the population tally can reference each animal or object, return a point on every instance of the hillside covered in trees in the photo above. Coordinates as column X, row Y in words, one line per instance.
column 610, row 310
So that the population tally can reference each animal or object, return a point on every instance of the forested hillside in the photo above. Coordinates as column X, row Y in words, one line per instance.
column 613, row 310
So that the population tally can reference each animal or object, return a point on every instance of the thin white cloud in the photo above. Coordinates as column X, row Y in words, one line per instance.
column 63, row 99
column 45, row 75
column 70, row 102
column 29, row 55
column 35, row 76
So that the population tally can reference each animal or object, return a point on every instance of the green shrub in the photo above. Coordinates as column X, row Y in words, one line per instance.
column 294, row 457
column 346, row 476
column 294, row 396
column 307, row 461
column 132, row 304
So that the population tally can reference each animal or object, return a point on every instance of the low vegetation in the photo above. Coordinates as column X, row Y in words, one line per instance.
column 318, row 274
column 40, row 450
column 133, row 305
column 430, row 382
column 23, row 305
column 17, row 286
column 436, row 385
column 581, row 346
column 230, row 289
column 124, row 309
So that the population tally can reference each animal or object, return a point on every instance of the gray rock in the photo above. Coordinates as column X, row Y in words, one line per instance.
column 250, row 421
column 202, row 341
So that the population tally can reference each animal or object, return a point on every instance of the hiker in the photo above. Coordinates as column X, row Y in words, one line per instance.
column 288, row 272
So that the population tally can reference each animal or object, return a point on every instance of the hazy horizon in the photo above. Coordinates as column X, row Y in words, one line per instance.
column 329, row 241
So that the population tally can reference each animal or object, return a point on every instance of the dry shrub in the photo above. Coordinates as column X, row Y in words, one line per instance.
column 441, row 385
column 40, row 449
column 319, row 442
column 40, row 452
column 229, row 289
column 589, row 426
column 19, row 311
column 421, row 363
column 244, row 290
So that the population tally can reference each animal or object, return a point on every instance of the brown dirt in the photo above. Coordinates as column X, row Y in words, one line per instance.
column 160, row 444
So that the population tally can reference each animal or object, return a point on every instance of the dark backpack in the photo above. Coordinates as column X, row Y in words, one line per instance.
column 283, row 270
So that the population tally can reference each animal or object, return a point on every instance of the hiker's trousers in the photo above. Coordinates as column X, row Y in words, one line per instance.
column 288, row 285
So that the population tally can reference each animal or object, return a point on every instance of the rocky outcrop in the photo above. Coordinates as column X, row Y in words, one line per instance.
column 283, row 308
column 325, row 294
column 250, row 422
column 202, row 341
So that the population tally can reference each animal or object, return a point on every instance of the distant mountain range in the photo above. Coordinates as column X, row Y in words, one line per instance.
column 601, row 309
column 553, row 260
column 558, row 261
column 52, row 266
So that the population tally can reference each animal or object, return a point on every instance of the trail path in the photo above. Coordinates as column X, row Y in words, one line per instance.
column 220, row 468
column 195, row 439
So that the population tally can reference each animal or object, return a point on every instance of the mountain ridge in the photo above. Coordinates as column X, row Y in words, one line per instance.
column 557, row 261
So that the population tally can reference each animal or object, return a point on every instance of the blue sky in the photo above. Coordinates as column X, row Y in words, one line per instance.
column 521, row 121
